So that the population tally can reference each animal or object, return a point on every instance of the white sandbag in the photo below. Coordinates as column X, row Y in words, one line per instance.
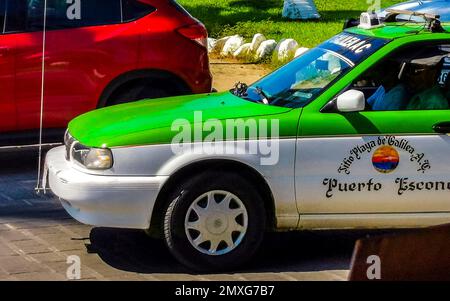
column 231, row 45
column 256, row 42
column 300, row 51
column 266, row 49
column 218, row 46
column 286, row 49
column 300, row 10
column 279, row 44
column 211, row 44
column 243, row 52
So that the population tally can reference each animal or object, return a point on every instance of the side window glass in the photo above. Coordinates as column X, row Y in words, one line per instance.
column 135, row 9
column 415, row 78
column 16, row 16
column 2, row 15
column 28, row 15
column 100, row 12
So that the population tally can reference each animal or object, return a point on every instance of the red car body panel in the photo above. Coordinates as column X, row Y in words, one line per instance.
column 8, row 120
column 80, row 63
column 192, row 63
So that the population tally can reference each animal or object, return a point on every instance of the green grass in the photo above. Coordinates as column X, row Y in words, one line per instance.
column 247, row 17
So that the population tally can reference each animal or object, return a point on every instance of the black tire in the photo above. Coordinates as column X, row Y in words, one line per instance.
column 137, row 91
column 174, row 221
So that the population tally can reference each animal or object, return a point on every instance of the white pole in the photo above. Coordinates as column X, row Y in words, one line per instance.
column 41, row 121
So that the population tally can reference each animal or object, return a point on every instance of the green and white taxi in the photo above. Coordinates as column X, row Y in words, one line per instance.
column 352, row 134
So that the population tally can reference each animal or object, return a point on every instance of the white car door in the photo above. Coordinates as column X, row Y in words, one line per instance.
column 388, row 165
column 373, row 174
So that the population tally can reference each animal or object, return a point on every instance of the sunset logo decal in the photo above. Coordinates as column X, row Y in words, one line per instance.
column 385, row 159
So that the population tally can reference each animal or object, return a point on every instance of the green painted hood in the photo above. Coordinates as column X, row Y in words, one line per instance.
column 150, row 121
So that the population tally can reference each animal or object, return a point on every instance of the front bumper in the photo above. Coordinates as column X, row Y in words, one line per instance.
column 105, row 201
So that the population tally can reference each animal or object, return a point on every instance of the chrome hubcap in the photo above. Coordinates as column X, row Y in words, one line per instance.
column 216, row 222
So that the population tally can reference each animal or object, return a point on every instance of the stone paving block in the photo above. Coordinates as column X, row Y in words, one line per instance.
column 19, row 265
column 49, row 276
column 6, row 251
column 48, row 257
column 262, row 277
column 340, row 274
column 149, row 277
column 45, row 221
column 105, row 272
column 80, row 253
column 36, row 227
column 319, row 276
column 4, row 275
column 81, row 231
column 63, row 245
column 103, row 269
column 31, row 247
column 93, row 263
column 127, row 277
column 222, row 277
column 201, row 277
column 174, row 277
column 89, row 274
column 55, row 236
column 3, row 227
column 89, row 260
column 60, row 236
column 43, row 230
column 86, row 258
column 13, row 235
column 61, row 268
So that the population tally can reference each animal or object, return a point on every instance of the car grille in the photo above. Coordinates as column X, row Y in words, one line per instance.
column 68, row 142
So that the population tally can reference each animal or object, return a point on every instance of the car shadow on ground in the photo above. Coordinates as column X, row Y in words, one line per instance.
column 134, row 251
column 21, row 161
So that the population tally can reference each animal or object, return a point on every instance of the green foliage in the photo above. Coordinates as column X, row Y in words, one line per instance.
column 247, row 17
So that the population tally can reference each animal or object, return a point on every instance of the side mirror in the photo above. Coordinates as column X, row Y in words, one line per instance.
column 351, row 101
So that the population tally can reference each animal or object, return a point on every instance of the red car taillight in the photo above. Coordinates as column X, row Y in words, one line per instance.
column 195, row 32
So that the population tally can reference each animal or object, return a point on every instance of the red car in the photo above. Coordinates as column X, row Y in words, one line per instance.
column 98, row 53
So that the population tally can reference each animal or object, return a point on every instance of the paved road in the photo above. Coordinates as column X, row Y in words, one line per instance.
column 37, row 236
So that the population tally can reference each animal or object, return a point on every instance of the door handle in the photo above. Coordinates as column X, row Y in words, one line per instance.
column 442, row 128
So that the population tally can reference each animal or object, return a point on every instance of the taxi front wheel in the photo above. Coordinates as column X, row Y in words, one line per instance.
column 215, row 222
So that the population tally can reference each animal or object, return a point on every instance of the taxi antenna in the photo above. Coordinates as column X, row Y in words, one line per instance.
column 41, row 116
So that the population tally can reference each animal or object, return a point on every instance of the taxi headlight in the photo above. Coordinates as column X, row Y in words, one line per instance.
column 92, row 158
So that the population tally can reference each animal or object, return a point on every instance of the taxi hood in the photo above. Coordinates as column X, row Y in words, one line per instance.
column 150, row 121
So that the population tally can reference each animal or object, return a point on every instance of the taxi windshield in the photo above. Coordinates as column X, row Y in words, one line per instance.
column 301, row 81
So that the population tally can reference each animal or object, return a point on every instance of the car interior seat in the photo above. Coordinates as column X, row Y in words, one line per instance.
column 446, row 88
column 443, row 76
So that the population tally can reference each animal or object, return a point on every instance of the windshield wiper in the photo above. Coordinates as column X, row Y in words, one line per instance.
column 240, row 89
column 263, row 95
